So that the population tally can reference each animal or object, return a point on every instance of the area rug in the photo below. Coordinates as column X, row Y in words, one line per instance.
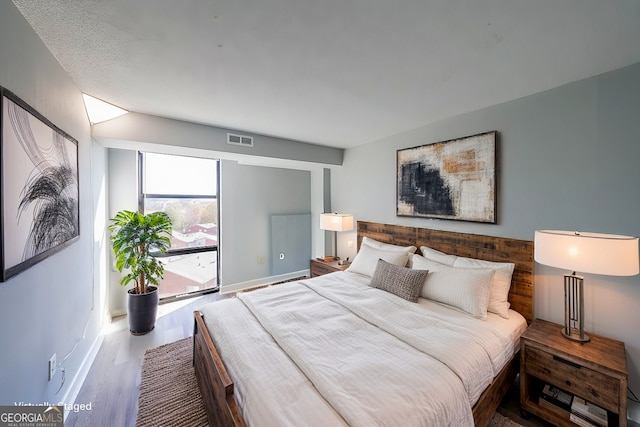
column 169, row 393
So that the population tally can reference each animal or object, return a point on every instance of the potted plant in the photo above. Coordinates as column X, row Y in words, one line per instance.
column 136, row 240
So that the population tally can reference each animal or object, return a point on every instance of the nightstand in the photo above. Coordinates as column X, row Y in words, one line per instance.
column 595, row 371
column 318, row 267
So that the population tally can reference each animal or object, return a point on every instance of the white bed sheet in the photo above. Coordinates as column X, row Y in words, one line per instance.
column 383, row 361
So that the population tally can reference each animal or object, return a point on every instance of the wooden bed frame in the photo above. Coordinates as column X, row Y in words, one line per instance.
column 216, row 386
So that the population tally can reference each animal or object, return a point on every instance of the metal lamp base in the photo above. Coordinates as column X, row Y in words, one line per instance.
column 574, row 335
column 574, row 308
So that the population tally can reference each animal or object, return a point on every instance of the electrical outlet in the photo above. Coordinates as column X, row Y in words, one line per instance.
column 52, row 366
column 260, row 259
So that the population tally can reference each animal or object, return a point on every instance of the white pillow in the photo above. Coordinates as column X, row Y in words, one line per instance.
column 500, row 284
column 464, row 288
column 367, row 258
column 386, row 246
column 437, row 256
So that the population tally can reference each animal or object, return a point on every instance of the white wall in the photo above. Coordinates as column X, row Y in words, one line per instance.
column 318, row 190
column 568, row 159
column 54, row 306
column 122, row 193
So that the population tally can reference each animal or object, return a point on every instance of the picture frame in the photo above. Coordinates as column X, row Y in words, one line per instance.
column 39, row 199
column 454, row 179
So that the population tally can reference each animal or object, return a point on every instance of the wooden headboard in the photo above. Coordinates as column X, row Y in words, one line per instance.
column 490, row 248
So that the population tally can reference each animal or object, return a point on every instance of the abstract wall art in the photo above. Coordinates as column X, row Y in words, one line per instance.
column 453, row 179
column 39, row 187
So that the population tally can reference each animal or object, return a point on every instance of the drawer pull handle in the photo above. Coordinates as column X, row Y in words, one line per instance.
column 566, row 362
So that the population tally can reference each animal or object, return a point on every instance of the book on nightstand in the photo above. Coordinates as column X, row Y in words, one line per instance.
column 594, row 415
column 556, row 400
column 581, row 421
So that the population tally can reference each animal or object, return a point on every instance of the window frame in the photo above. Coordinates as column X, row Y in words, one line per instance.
column 183, row 251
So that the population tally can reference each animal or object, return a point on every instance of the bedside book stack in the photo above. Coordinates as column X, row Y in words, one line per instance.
column 556, row 400
column 587, row 414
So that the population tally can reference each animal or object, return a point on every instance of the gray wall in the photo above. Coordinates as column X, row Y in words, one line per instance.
column 167, row 134
column 277, row 176
column 568, row 160
column 54, row 306
column 249, row 196
column 290, row 243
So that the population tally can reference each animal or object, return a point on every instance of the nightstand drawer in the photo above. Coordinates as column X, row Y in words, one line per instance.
column 319, row 268
column 574, row 378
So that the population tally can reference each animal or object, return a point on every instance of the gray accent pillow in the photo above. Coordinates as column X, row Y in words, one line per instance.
column 401, row 281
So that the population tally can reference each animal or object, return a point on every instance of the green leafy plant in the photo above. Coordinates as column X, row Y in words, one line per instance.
column 135, row 239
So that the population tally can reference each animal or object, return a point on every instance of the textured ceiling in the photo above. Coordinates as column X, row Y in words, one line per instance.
column 331, row 72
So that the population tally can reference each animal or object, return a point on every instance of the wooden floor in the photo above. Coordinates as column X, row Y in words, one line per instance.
column 112, row 384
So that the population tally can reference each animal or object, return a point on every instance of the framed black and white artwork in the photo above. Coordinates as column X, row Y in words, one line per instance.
column 453, row 179
column 39, row 182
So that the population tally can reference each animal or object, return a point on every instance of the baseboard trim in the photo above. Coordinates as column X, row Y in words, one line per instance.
column 76, row 384
column 116, row 313
column 243, row 286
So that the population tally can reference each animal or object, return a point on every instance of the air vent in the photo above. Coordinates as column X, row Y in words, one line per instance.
column 243, row 140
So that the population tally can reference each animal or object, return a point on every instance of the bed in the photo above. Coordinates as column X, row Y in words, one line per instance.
column 260, row 359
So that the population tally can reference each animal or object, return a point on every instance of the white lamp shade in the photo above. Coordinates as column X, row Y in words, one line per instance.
column 593, row 253
column 336, row 222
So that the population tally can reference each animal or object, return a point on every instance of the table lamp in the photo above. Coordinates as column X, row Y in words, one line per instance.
column 594, row 253
column 336, row 222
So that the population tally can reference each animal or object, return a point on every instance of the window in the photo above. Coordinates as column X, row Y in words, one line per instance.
column 186, row 188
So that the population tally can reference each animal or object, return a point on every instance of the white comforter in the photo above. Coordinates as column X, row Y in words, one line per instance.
column 334, row 351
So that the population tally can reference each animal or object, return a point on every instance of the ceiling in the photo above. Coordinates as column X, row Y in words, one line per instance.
column 332, row 72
